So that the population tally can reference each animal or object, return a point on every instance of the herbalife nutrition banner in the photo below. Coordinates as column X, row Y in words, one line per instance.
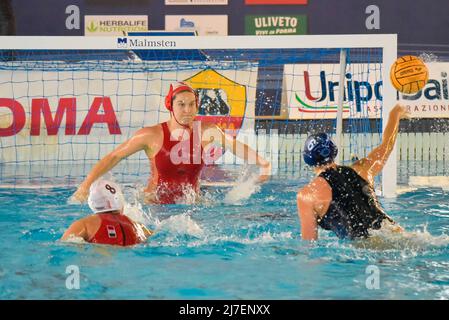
column 275, row 24
column 114, row 25
column 312, row 92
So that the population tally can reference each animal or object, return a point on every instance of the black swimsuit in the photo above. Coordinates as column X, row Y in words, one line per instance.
column 354, row 208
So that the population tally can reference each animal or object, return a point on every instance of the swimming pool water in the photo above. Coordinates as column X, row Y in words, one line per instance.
column 222, row 250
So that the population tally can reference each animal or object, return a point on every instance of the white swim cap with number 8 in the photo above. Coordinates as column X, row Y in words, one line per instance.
column 105, row 196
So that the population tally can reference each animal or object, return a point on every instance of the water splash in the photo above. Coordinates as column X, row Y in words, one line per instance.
column 181, row 224
column 74, row 239
column 136, row 213
column 245, row 187
column 264, row 237
column 428, row 57
column 176, row 229
column 190, row 196
column 388, row 238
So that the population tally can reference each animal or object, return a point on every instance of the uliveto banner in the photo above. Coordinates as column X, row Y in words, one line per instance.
column 312, row 92
column 275, row 24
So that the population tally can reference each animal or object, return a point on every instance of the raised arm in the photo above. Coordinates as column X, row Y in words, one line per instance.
column 373, row 164
column 136, row 143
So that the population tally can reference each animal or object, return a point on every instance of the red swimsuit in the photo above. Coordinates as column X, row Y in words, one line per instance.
column 171, row 179
column 116, row 229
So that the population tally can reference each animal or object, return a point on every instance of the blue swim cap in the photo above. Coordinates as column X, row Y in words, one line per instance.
column 319, row 149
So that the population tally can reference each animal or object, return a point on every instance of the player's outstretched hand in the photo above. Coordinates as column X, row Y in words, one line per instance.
column 80, row 194
column 401, row 111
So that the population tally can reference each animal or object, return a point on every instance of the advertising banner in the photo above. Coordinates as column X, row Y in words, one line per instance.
column 204, row 25
column 275, row 1
column 275, row 24
column 114, row 25
column 195, row 2
column 312, row 92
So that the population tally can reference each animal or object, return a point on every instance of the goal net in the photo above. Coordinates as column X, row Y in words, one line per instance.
column 66, row 102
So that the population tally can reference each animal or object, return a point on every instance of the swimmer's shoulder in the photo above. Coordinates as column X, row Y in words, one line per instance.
column 317, row 194
column 152, row 137
column 91, row 224
column 317, row 189
column 82, row 228
column 362, row 168
column 151, row 131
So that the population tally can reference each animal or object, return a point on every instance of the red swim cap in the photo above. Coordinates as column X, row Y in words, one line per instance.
column 175, row 88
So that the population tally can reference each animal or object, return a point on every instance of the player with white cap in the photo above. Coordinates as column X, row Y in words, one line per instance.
column 108, row 225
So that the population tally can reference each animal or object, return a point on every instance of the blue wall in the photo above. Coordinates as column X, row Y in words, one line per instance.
column 416, row 21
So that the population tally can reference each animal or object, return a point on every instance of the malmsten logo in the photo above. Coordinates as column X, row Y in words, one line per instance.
column 122, row 42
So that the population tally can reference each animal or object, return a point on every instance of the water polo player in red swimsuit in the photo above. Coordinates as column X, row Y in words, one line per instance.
column 108, row 225
column 175, row 151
